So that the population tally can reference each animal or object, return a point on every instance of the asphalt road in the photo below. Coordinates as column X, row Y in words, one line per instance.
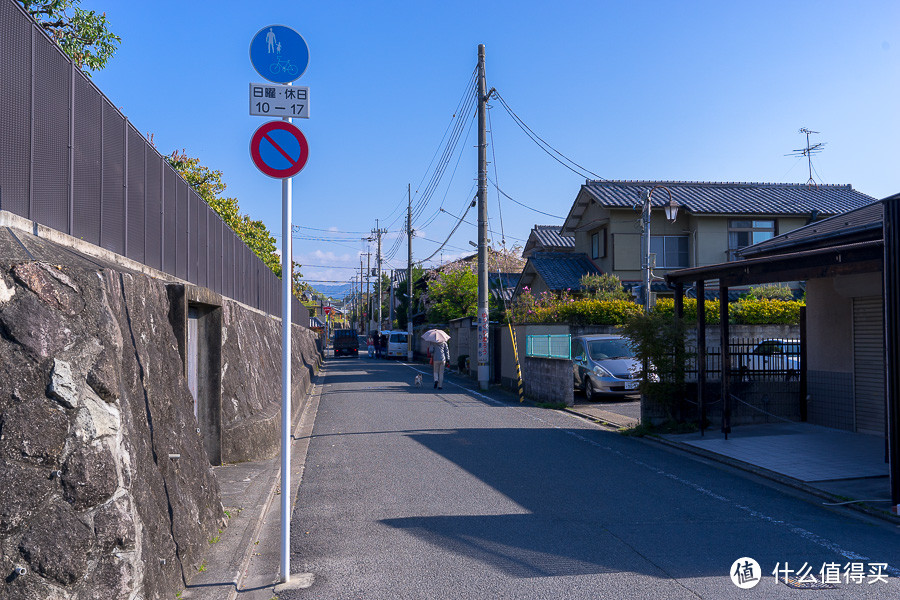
column 418, row 493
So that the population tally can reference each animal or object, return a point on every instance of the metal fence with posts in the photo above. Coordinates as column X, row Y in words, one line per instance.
column 73, row 162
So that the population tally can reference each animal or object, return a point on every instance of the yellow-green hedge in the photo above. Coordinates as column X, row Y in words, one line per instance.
column 616, row 312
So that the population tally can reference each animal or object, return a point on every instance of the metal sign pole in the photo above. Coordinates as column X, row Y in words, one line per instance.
column 286, row 277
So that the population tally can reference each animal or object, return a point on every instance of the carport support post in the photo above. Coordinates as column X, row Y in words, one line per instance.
column 726, row 359
column 892, row 339
column 701, row 353
column 679, row 348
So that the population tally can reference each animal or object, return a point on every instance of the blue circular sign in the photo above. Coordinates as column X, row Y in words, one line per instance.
column 279, row 54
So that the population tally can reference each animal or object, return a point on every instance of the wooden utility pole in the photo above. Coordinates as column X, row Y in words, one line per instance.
column 483, row 328
column 409, row 282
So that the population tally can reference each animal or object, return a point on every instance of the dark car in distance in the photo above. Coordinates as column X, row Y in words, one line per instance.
column 346, row 342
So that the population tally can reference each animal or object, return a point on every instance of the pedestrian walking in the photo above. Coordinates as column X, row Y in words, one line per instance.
column 440, row 353
column 441, row 358
column 376, row 341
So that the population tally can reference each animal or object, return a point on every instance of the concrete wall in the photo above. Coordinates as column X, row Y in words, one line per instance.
column 829, row 317
column 548, row 380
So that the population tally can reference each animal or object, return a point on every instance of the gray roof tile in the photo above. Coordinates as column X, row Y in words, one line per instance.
column 562, row 270
column 702, row 197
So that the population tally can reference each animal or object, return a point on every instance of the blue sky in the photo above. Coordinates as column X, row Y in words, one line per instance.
column 709, row 91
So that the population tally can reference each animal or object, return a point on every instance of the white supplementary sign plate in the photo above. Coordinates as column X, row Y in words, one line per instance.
column 273, row 100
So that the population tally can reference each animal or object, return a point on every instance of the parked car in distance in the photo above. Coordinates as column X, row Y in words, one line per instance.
column 345, row 342
column 604, row 364
column 397, row 344
column 770, row 358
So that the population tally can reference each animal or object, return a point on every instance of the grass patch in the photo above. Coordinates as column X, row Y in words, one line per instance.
column 202, row 567
column 552, row 405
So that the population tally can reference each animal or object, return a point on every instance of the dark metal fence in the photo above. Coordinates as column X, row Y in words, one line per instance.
column 764, row 383
column 71, row 161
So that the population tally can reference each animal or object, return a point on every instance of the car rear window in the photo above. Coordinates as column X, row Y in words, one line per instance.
column 607, row 349
column 398, row 338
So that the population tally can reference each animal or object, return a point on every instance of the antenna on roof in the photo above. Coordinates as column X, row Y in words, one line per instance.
column 808, row 152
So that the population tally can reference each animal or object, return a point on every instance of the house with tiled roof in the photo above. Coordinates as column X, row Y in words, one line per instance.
column 547, row 238
column 555, row 272
column 715, row 220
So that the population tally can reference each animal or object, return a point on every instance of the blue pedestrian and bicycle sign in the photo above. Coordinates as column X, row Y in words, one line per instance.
column 279, row 149
column 279, row 53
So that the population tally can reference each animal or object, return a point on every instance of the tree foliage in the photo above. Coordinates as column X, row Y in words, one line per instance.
column 209, row 186
column 770, row 291
column 452, row 293
column 82, row 34
column 603, row 287
column 658, row 340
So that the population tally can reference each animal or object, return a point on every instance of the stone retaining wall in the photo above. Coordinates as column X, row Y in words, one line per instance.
column 106, row 489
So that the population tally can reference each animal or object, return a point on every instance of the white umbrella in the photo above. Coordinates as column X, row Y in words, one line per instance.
column 435, row 335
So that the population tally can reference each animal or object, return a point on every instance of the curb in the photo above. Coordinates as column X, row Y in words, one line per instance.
column 773, row 476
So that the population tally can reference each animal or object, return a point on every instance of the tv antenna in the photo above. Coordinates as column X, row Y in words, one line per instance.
column 808, row 152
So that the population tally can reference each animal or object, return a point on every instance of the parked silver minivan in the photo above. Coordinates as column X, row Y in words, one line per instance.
column 604, row 364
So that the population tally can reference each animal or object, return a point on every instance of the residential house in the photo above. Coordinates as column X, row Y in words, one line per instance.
column 714, row 221
column 547, row 238
column 555, row 272
column 851, row 262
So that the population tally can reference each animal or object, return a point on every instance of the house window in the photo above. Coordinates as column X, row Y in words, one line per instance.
column 671, row 251
column 598, row 244
column 746, row 232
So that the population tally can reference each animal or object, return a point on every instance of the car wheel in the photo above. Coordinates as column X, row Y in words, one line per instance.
column 589, row 392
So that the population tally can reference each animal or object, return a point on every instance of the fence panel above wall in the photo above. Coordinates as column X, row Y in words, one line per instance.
column 136, row 216
column 50, row 157
column 72, row 161
column 15, row 109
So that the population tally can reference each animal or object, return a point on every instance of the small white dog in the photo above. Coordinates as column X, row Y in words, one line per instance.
column 418, row 380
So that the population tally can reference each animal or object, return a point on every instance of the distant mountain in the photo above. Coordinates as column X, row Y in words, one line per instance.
column 334, row 291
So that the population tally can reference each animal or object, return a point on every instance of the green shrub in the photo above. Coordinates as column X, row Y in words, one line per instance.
column 770, row 291
column 749, row 311
column 667, row 306
column 765, row 312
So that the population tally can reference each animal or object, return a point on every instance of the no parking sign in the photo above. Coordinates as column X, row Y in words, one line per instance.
column 279, row 149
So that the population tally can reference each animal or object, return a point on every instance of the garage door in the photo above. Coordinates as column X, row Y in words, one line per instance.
column 868, row 364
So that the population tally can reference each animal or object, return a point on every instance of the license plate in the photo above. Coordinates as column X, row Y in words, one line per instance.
column 631, row 385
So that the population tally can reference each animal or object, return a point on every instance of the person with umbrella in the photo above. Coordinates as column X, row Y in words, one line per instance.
column 441, row 354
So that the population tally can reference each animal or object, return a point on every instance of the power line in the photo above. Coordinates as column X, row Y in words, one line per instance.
column 544, row 145
column 489, row 230
column 525, row 205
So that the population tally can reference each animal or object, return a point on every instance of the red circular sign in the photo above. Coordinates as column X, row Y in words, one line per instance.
column 279, row 149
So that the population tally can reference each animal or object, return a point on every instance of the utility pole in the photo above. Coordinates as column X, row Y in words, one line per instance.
column 409, row 284
column 377, row 231
column 369, row 306
column 483, row 329
column 391, row 306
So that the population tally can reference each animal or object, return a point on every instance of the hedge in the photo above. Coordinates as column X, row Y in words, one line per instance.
column 616, row 312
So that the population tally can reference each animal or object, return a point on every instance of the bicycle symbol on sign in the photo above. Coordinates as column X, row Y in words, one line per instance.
column 282, row 65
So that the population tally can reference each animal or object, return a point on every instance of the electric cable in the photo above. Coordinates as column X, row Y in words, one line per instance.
column 544, row 145
column 525, row 205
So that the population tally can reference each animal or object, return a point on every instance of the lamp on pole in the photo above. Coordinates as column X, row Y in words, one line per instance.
column 671, row 209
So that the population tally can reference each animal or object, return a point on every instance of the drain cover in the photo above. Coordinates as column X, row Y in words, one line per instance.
column 793, row 581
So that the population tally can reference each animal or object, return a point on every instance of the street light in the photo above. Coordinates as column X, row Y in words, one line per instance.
column 671, row 209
